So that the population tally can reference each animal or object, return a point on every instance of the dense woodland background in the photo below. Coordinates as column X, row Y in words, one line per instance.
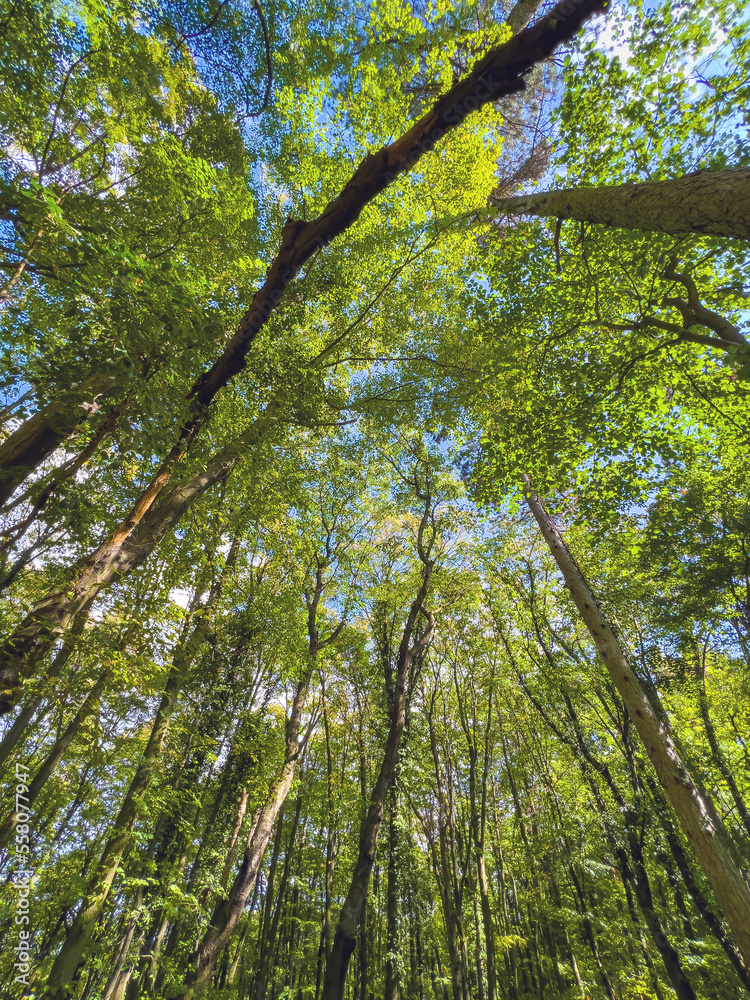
column 375, row 539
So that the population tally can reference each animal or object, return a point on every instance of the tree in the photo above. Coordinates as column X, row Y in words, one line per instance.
column 713, row 202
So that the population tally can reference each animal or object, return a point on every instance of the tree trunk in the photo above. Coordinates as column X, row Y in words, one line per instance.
column 699, row 900
column 265, row 917
column 697, row 814
column 234, row 837
column 228, row 912
column 717, row 754
column 350, row 917
column 125, row 549
column 324, row 945
column 642, row 887
column 521, row 14
column 46, row 690
column 499, row 72
column 391, row 989
column 35, row 440
column 71, row 955
column 270, row 936
column 38, row 494
column 118, row 979
column 714, row 202
column 52, row 759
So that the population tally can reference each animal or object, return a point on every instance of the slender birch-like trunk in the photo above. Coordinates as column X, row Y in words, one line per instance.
column 695, row 809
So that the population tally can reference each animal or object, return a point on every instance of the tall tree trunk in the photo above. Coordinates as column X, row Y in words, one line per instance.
column 695, row 809
column 157, row 948
column 642, row 886
column 324, row 945
column 478, row 783
column 391, row 988
column 364, row 949
column 71, row 955
column 61, row 744
column 714, row 202
column 228, row 912
column 234, row 837
column 46, row 688
column 631, row 862
column 117, row 982
column 125, row 549
column 350, row 917
column 266, row 914
column 270, row 937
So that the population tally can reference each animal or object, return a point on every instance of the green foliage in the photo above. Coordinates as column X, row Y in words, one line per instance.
column 150, row 154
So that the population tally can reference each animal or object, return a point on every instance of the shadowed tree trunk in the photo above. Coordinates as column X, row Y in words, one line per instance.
column 269, row 940
column 47, row 686
column 126, row 549
column 392, row 989
column 61, row 744
column 228, row 911
column 72, row 953
column 35, row 440
column 350, row 917
column 38, row 494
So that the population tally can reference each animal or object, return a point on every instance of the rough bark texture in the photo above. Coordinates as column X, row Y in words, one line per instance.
column 234, row 837
column 35, row 440
column 521, row 14
column 714, row 202
column 694, row 808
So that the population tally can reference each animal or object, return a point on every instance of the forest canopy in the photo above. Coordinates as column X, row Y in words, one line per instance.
column 374, row 500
